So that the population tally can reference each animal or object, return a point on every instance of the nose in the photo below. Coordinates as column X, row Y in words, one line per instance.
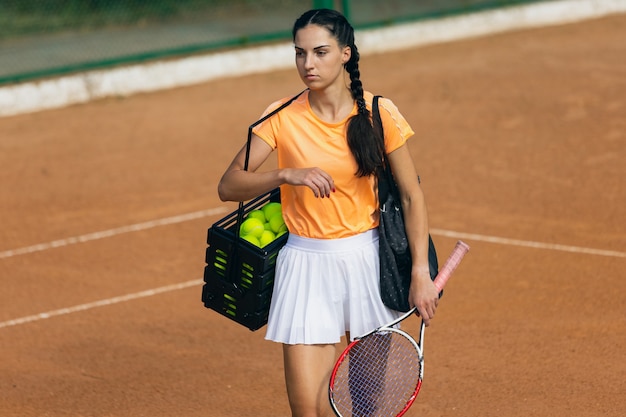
column 308, row 61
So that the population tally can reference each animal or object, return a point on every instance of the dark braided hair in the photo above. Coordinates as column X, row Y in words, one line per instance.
column 365, row 145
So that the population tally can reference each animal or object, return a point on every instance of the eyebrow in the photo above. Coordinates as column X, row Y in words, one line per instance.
column 315, row 49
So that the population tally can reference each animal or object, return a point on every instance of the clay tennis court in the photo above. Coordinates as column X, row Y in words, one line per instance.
column 520, row 146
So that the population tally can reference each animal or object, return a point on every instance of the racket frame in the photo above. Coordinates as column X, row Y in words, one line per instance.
column 389, row 327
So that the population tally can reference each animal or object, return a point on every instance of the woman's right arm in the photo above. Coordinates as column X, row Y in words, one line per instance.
column 238, row 184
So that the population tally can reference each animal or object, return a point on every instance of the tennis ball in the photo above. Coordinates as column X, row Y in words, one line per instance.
column 257, row 214
column 252, row 239
column 267, row 226
column 276, row 222
column 270, row 209
column 267, row 237
column 252, row 227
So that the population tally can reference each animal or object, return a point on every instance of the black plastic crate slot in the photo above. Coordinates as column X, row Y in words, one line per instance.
column 245, row 281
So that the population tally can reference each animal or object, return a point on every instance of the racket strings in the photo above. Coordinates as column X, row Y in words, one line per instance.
column 378, row 377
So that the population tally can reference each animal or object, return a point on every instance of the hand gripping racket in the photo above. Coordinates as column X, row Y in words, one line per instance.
column 380, row 373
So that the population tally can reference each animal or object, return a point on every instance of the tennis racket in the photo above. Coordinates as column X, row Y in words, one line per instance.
column 380, row 373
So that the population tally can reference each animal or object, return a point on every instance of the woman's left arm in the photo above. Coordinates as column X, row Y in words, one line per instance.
column 423, row 294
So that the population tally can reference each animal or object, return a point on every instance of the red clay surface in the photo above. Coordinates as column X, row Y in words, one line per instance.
column 519, row 136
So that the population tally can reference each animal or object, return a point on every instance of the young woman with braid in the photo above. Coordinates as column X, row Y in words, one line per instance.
column 327, row 275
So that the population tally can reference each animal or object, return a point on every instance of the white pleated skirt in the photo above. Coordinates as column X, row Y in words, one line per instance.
column 326, row 287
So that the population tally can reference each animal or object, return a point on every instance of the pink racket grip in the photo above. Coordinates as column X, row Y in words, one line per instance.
column 451, row 264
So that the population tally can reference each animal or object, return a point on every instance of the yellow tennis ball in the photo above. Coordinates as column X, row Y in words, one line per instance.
column 257, row 214
column 252, row 239
column 267, row 237
column 252, row 227
column 270, row 209
column 276, row 221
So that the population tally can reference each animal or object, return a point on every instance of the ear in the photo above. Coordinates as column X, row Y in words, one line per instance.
column 346, row 54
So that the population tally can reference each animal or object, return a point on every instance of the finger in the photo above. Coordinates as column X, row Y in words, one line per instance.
column 331, row 186
column 318, row 189
column 326, row 183
column 321, row 187
column 313, row 184
column 423, row 313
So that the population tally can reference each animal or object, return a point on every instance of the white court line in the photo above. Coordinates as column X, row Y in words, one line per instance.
column 209, row 212
column 101, row 235
column 112, row 232
column 101, row 303
column 528, row 244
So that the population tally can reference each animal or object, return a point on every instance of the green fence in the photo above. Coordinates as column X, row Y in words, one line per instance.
column 43, row 38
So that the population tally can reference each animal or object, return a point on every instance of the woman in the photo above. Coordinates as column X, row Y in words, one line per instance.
column 326, row 283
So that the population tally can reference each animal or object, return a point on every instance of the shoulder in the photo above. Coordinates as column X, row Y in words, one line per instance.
column 278, row 114
column 384, row 103
column 299, row 99
column 387, row 108
column 393, row 121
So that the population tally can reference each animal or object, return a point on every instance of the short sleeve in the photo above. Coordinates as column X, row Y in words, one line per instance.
column 268, row 129
column 397, row 129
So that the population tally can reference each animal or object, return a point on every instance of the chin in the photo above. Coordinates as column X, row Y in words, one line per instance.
column 313, row 85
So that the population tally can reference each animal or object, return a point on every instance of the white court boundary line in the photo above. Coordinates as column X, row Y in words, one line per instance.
column 528, row 243
column 100, row 303
column 112, row 232
column 210, row 212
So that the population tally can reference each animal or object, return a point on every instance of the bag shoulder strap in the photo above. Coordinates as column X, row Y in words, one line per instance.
column 376, row 120
column 261, row 120
column 386, row 183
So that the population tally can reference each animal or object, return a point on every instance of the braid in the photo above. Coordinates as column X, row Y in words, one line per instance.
column 356, row 86
column 365, row 145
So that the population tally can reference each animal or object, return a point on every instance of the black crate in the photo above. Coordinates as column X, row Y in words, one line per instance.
column 239, row 276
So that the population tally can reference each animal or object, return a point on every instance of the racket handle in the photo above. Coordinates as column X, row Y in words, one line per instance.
column 451, row 264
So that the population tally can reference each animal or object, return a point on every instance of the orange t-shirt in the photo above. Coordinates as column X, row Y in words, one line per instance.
column 303, row 140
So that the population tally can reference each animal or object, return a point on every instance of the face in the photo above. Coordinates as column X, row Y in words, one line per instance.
column 319, row 59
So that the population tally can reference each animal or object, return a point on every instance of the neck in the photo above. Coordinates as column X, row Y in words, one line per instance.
column 331, row 105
